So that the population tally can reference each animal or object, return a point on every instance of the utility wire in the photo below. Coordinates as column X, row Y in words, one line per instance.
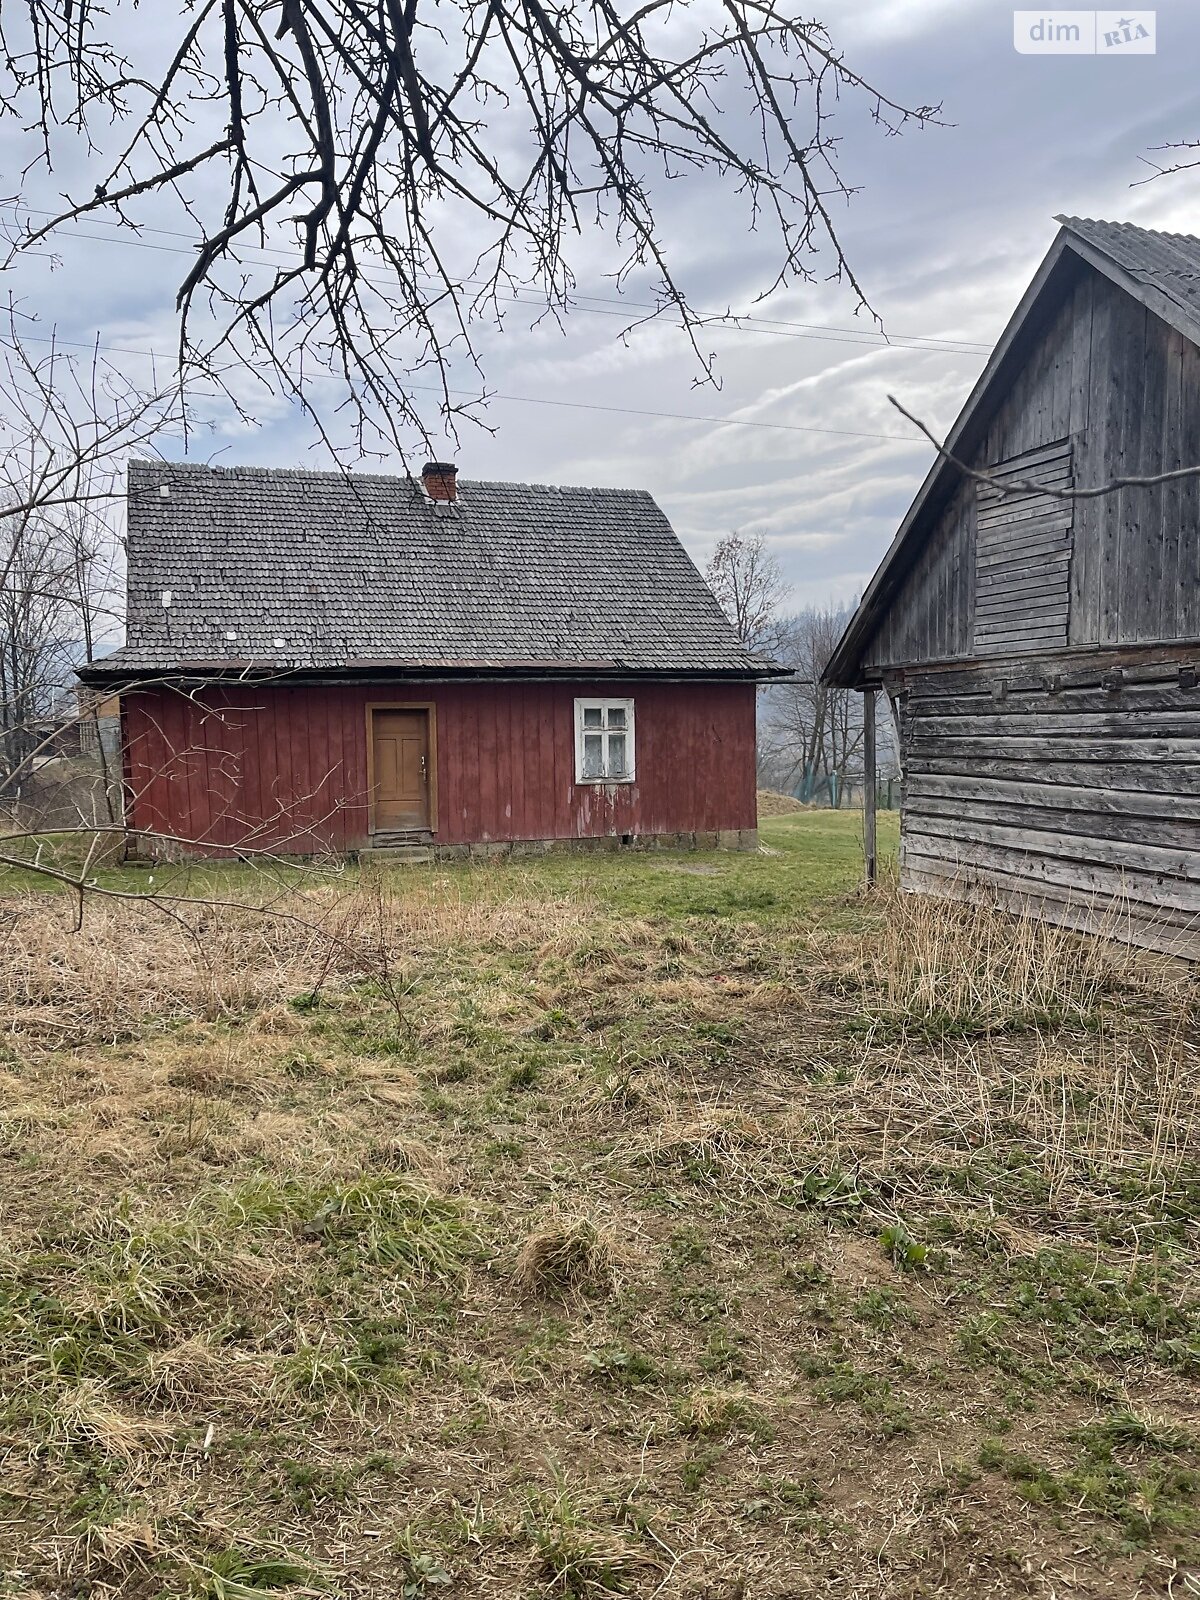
column 596, row 305
column 525, row 399
column 529, row 399
column 862, row 336
column 679, row 416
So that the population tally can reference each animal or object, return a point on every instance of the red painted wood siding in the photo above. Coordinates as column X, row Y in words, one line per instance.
column 286, row 767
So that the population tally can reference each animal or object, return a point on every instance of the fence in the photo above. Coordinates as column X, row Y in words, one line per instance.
column 839, row 791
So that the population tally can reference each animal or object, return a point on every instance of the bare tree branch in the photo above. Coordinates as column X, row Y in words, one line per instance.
column 1008, row 486
column 368, row 179
column 1186, row 160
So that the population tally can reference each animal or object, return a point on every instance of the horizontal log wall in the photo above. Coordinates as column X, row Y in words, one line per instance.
column 1078, row 797
column 285, row 768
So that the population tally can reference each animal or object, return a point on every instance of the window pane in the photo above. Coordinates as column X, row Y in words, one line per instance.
column 616, row 755
column 616, row 716
column 593, row 755
column 593, row 717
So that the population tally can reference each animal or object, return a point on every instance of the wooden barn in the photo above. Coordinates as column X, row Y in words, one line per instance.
column 1041, row 648
column 318, row 661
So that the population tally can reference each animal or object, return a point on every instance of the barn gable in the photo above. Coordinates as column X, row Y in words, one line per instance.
column 1097, row 376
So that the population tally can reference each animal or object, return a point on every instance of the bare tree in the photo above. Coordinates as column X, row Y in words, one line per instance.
column 749, row 583
column 67, row 427
column 811, row 733
column 37, row 629
column 365, row 177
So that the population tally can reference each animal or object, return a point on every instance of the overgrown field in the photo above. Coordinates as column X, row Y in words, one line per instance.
column 666, row 1226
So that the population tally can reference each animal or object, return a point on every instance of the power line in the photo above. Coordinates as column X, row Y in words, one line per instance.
column 596, row 305
column 679, row 416
column 529, row 399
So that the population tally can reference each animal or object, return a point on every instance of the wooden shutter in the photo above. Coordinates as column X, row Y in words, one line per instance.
column 1023, row 546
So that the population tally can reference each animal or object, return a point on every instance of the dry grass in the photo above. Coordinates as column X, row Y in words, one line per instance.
column 572, row 1255
column 773, row 804
column 942, row 964
column 462, row 1235
column 129, row 966
column 1001, row 1030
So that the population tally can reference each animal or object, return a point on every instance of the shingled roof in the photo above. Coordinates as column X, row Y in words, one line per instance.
column 1165, row 265
column 343, row 573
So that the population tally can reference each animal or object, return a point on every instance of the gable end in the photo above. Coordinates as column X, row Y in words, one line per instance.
column 1102, row 355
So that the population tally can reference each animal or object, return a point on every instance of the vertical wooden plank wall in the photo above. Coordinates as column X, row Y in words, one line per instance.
column 285, row 767
column 1124, row 390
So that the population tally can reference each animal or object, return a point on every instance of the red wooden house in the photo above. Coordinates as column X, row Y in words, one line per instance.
column 324, row 661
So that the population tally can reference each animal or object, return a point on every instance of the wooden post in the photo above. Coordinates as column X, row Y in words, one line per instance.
column 869, row 781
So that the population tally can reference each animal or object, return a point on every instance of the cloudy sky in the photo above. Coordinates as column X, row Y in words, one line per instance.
column 947, row 226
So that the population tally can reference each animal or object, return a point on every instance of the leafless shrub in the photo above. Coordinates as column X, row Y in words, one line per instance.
column 142, row 961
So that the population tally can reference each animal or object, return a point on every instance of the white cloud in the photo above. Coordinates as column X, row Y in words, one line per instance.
column 948, row 227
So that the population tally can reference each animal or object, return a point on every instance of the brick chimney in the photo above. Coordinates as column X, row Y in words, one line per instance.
column 440, row 479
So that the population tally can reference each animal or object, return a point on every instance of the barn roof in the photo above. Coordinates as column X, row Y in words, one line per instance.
column 344, row 573
column 1160, row 270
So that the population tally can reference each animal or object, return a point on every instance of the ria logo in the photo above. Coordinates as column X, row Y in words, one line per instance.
column 1132, row 35
column 1084, row 33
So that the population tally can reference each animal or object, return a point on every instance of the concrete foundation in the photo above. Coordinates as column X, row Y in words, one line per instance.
column 728, row 839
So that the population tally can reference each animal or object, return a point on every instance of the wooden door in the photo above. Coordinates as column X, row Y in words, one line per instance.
column 402, row 771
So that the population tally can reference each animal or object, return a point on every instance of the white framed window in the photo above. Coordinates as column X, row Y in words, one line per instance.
column 604, row 741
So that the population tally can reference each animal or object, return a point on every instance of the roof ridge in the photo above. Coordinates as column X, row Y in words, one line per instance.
column 1074, row 223
column 350, row 476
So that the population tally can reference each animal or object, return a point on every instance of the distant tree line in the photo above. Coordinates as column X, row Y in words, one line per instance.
column 810, row 735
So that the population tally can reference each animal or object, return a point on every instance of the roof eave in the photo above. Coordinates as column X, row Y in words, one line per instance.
column 128, row 676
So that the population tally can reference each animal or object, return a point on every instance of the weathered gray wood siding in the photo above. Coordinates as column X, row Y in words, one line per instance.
column 1123, row 390
column 1024, row 542
column 1077, row 793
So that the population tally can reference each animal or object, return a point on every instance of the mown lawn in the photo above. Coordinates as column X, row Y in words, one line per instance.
column 805, row 856
column 693, row 1226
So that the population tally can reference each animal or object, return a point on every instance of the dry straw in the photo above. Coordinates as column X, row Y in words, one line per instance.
column 985, row 1031
column 133, row 965
column 573, row 1255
